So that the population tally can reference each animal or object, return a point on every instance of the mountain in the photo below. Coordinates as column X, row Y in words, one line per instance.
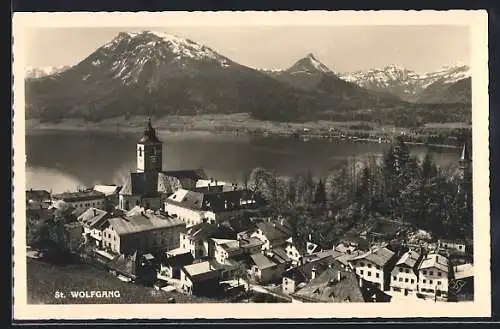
column 39, row 72
column 160, row 74
column 459, row 92
column 310, row 74
column 407, row 84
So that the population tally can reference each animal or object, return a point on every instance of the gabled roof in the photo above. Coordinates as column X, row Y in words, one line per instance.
column 79, row 196
column 93, row 217
column 215, row 201
column 379, row 256
column 409, row 259
column 279, row 255
column 303, row 272
column 206, row 231
column 434, row 260
column 142, row 222
column 273, row 232
column 107, row 189
column 327, row 288
column 179, row 260
column 124, row 265
column 201, row 271
column 261, row 261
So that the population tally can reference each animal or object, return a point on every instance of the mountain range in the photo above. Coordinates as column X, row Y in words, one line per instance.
column 161, row 74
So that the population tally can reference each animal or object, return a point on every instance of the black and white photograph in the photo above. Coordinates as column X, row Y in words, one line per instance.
column 242, row 159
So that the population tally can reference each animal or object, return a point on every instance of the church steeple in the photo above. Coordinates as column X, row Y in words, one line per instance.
column 149, row 133
column 149, row 150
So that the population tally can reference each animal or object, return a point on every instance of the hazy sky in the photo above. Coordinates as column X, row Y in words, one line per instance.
column 341, row 48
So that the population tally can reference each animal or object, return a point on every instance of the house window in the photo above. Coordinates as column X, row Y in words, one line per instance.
column 431, row 272
column 439, row 283
column 424, row 281
column 378, row 267
column 394, row 278
column 361, row 272
column 424, row 272
column 430, row 281
column 369, row 273
column 407, row 271
column 400, row 279
column 439, row 273
column 459, row 247
column 362, row 264
column 412, row 281
column 377, row 275
column 369, row 265
column 406, row 279
column 400, row 269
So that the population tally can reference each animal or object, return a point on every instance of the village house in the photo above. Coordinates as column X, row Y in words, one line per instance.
column 332, row 286
column 344, row 259
column 375, row 266
column 81, row 199
column 197, row 238
column 172, row 264
column 452, row 245
column 195, row 207
column 225, row 249
column 37, row 199
column 298, row 276
column 111, row 192
column 200, row 279
column 147, row 232
column 125, row 267
column 463, row 280
column 272, row 234
column 93, row 220
column 433, row 276
column 268, row 266
column 404, row 276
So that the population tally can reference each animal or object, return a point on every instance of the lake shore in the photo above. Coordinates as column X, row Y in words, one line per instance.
column 201, row 126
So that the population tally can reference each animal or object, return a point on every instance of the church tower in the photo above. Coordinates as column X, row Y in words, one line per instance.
column 149, row 151
column 465, row 163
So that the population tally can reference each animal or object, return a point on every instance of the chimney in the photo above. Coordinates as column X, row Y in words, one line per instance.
column 309, row 236
column 361, row 282
column 313, row 273
column 95, row 212
column 338, row 276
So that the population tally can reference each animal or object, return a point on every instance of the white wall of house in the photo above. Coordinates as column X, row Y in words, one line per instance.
column 403, row 277
column 451, row 245
column 369, row 271
column 260, row 235
column 220, row 254
column 432, row 279
column 189, row 216
column 293, row 253
column 288, row 285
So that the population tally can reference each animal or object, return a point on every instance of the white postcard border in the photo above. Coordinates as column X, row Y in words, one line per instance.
column 477, row 20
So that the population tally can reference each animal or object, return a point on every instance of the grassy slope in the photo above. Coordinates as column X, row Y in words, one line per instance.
column 45, row 279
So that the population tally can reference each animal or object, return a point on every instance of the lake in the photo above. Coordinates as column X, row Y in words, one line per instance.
column 63, row 160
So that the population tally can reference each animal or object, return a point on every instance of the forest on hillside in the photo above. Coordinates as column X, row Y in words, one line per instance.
column 395, row 187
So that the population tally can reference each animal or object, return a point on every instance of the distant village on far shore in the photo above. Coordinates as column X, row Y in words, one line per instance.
column 180, row 232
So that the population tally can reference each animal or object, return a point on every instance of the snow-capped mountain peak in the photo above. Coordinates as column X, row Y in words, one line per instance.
column 407, row 84
column 131, row 52
column 308, row 65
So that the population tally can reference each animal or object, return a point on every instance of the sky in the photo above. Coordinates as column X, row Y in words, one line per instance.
column 422, row 48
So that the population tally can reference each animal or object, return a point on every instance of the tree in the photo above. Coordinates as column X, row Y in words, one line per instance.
column 242, row 274
column 320, row 194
